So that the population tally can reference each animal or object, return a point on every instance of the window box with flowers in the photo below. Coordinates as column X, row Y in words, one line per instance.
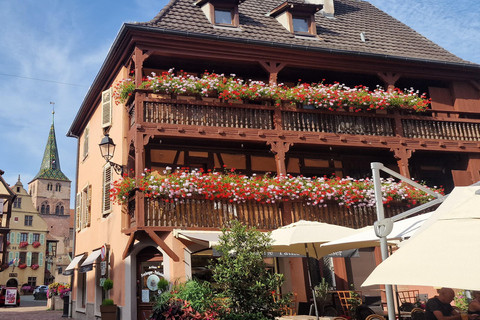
column 34, row 266
column 22, row 266
column 322, row 96
column 23, row 244
column 173, row 186
column 36, row 244
column 8, row 243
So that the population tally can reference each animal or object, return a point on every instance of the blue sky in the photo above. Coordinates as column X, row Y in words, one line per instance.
column 52, row 50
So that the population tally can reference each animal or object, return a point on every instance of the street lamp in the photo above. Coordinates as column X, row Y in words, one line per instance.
column 107, row 150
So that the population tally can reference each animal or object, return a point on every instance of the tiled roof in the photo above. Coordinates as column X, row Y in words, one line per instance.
column 50, row 168
column 386, row 36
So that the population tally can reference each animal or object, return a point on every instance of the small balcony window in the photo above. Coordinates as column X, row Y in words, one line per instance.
column 297, row 18
column 222, row 13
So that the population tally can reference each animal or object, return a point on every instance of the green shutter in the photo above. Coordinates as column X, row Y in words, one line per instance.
column 40, row 259
column 17, row 255
column 19, row 235
column 12, row 237
column 29, row 259
column 10, row 256
column 30, row 238
column 42, row 239
column 8, row 236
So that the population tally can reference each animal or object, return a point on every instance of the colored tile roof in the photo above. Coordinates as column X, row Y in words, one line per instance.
column 386, row 36
column 50, row 168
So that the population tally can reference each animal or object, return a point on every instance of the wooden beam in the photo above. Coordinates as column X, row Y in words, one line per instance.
column 130, row 242
column 162, row 245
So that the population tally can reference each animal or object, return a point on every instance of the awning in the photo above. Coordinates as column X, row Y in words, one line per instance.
column 87, row 265
column 71, row 266
column 206, row 238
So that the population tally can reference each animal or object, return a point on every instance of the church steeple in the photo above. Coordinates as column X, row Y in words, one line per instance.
column 50, row 168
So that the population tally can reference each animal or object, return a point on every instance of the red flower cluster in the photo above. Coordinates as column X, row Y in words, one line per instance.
column 320, row 95
column 23, row 244
column 36, row 244
column 240, row 188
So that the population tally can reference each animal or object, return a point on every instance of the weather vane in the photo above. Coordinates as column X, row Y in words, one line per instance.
column 53, row 108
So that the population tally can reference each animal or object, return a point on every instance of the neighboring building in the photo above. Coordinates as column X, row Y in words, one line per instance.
column 27, row 243
column 7, row 196
column 50, row 191
column 274, row 41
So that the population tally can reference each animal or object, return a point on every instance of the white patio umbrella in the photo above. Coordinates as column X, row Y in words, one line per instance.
column 365, row 237
column 444, row 252
column 305, row 237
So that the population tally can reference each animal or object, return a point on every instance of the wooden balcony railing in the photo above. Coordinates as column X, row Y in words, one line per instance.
column 458, row 126
column 215, row 214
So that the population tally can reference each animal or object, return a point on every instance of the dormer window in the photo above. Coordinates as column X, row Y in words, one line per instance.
column 297, row 18
column 221, row 12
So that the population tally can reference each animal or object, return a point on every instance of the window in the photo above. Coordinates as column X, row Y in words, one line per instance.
column 83, row 209
column 23, row 237
column 17, row 203
column 85, row 142
column 221, row 12
column 107, row 180
column 22, row 258
column 32, row 281
column 223, row 16
column 300, row 25
column 36, row 237
column 50, row 187
column 45, row 209
column 298, row 18
column 58, row 187
column 28, row 220
column 59, row 209
column 35, row 258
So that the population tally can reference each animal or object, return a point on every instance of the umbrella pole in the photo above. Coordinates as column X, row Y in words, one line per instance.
column 310, row 282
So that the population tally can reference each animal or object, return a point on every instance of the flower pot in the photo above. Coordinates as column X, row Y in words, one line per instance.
column 109, row 312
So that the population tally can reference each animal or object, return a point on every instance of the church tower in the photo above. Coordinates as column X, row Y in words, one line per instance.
column 50, row 192
column 50, row 189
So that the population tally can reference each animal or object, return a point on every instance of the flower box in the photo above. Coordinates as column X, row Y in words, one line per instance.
column 34, row 266
column 23, row 244
column 36, row 244
column 22, row 266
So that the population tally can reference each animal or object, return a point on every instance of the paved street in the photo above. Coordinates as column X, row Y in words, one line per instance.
column 30, row 309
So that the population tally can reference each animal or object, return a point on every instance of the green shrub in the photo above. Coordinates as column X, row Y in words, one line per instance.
column 107, row 302
column 163, row 284
column 199, row 294
column 107, row 285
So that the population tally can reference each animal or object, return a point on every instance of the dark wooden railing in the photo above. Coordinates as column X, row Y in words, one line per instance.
column 215, row 214
column 250, row 116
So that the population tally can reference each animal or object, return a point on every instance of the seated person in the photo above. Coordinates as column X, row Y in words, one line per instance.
column 439, row 307
column 474, row 305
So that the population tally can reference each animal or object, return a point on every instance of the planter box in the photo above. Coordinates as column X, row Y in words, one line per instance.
column 109, row 312
column 55, row 303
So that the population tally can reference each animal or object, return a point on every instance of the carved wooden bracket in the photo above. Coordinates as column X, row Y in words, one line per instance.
column 147, row 138
column 279, row 147
column 389, row 78
column 402, row 155
column 273, row 68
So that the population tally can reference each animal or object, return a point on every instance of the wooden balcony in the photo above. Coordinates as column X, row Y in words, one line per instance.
column 198, row 213
column 430, row 130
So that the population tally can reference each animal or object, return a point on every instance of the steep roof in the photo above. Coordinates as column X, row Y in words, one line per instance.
column 386, row 36
column 50, row 168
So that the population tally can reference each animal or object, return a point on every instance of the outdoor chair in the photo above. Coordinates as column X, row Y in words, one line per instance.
column 362, row 312
column 375, row 317
column 418, row 314
column 408, row 296
column 347, row 300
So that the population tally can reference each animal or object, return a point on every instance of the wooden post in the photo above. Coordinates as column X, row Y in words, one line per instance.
column 402, row 155
column 389, row 79
column 273, row 68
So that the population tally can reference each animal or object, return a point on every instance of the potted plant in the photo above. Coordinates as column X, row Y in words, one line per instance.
column 108, row 308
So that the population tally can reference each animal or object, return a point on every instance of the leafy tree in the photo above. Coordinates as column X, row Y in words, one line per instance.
column 241, row 274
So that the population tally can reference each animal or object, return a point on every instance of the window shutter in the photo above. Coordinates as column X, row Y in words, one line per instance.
column 19, row 235
column 30, row 238
column 78, row 215
column 107, row 180
column 107, row 108
column 17, row 255
column 10, row 257
column 12, row 237
column 88, row 206
column 42, row 239
column 40, row 259
column 85, row 142
column 29, row 259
